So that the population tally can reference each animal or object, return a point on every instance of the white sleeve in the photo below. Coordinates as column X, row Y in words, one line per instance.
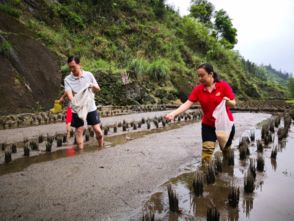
column 93, row 80
column 66, row 86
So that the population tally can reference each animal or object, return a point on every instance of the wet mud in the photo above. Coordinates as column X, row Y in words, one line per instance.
column 19, row 134
column 115, row 183
column 272, row 197
column 71, row 150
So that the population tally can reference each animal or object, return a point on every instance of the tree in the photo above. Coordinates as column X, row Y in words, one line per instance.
column 103, row 7
column 202, row 10
column 159, row 8
column 291, row 86
column 225, row 30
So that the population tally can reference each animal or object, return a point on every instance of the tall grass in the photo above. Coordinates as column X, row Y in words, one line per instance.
column 9, row 8
column 5, row 47
column 138, row 67
column 159, row 70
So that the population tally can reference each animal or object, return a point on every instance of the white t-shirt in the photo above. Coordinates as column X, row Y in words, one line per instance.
column 76, row 84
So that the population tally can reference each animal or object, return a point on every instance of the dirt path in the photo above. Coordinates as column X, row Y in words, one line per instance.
column 107, row 184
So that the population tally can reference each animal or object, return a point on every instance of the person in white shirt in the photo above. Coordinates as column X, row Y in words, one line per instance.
column 76, row 81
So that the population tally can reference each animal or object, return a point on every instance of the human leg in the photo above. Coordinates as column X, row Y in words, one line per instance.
column 227, row 147
column 208, row 142
column 68, row 130
column 93, row 119
column 68, row 120
column 80, row 137
column 79, row 125
column 99, row 135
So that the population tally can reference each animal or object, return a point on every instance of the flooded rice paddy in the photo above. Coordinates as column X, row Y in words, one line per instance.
column 130, row 178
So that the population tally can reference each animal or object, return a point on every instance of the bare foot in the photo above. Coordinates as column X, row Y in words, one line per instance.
column 100, row 142
column 81, row 146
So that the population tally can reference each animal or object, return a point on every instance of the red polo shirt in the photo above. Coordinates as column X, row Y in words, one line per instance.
column 209, row 100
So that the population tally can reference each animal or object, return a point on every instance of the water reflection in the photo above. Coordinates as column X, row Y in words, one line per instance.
column 247, row 205
column 157, row 202
column 70, row 151
column 214, row 195
column 226, row 168
column 274, row 164
column 233, row 215
column 282, row 144
column 194, row 206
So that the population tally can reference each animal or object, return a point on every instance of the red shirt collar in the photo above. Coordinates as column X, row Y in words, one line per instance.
column 214, row 87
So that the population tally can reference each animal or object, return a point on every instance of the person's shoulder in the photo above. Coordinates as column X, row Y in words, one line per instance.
column 199, row 87
column 88, row 73
column 68, row 77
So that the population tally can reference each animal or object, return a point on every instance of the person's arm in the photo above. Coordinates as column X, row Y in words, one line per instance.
column 94, row 85
column 185, row 106
column 230, row 103
column 229, row 96
column 61, row 99
column 69, row 94
column 193, row 97
column 68, row 90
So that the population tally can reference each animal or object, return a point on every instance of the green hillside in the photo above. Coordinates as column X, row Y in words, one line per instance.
column 145, row 40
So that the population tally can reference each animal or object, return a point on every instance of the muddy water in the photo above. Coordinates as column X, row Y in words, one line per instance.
column 111, row 184
column 272, row 199
column 32, row 132
column 70, row 150
column 19, row 134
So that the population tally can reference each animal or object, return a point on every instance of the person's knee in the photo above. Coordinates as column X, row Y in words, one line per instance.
column 68, row 131
column 208, row 146
column 207, row 150
column 97, row 130
column 79, row 131
column 79, row 138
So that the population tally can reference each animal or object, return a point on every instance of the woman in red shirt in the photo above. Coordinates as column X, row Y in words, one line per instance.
column 209, row 93
column 68, row 117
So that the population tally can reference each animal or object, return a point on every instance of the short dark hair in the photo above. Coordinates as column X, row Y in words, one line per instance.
column 73, row 58
column 209, row 69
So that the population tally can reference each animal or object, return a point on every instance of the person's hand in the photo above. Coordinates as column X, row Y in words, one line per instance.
column 61, row 100
column 92, row 85
column 229, row 102
column 169, row 116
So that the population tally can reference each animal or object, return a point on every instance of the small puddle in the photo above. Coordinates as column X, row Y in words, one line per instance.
column 272, row 198
column 72, row 150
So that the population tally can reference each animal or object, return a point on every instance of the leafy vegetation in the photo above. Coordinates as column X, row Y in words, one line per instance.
column 225, row 30
column 148, row 40
column 291, row 102
column 202, row 10
column 291, row 87
column 5, row 47
column 8, row 7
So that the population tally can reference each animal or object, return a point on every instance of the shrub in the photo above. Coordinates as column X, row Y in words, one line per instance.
column 9, row 8
column 95, row 65
column 138, row 67
column 196, row 35
column 46, row 33
column 159, row 70
column 70, row 18
column 5, row 47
